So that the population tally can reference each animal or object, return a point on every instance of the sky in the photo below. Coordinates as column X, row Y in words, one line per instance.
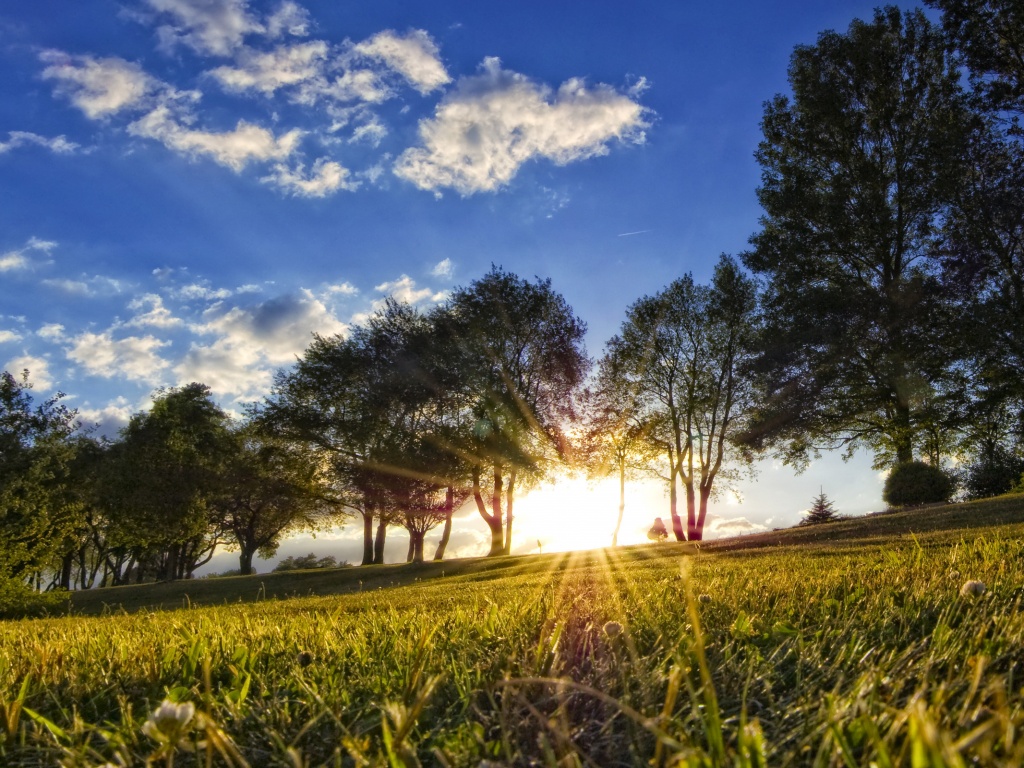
column 190, row 188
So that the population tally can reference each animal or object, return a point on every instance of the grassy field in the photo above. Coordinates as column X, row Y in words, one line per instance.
column 847, row 644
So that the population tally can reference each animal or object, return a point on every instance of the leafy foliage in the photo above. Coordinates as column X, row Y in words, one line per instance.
column 916, row 483
column 857, row 167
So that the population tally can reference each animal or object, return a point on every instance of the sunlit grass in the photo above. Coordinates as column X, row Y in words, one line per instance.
column 848, row 651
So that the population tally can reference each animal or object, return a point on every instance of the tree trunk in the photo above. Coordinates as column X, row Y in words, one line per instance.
column 412, row 546
column 698, row 534
column 622, row 503
column 509, row 495
column 416, row 540
column 903, row 438
column 493, row 523
column 66, row 564
column 367, row 537
column 691, row 514
column 245, row 560
column 378, row 545
column 446, row 534
column 673, row 507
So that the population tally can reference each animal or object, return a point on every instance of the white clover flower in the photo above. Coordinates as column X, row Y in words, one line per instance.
column 972, row 588
column 169, row 722
column 613, row 629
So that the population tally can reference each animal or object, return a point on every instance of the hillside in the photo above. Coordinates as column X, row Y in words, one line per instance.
column 928, row 525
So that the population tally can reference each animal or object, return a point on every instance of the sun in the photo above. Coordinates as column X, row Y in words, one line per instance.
column 572, row 513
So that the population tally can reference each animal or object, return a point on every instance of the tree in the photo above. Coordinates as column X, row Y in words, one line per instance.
column 270, row 487
column 822, row 511
column 518, row 350
column 167, row 471
column 376, row 407
column 682, row 353
column 858, row 167
column 38, row 511
column 990, row 35
column 616, row 439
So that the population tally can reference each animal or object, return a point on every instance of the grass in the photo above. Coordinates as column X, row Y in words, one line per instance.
column 845, row 644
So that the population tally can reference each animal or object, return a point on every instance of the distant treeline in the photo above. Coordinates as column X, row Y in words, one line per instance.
column 880, row 306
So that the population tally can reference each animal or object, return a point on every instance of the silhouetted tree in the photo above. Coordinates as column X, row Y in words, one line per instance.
column 857, row 168
column 518, row 349
column 682, row 353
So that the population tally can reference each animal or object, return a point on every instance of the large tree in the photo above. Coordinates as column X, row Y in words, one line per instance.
column 167, row 472
column 682, row 354
column 518, row 348
column 269, row 487
column 858, row 166
column 38, row 509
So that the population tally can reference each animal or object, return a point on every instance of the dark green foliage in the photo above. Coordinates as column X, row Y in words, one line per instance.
column 915, row 483
column 822, row 511
column 993, row 474
column 38, row 509
column 856, row 167
column 305, row 562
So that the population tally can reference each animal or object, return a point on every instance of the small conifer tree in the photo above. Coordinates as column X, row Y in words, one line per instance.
column 822, row 511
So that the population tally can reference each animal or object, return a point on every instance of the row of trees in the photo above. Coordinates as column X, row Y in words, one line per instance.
column 881, row 306
column 181, row 480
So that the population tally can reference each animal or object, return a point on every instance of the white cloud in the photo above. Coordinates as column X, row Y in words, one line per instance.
column 201, row 291
column 109, row 419
column 253, row 340
column 414, row 56
column 280, row 328
column 226, row 368
column 267, row 72
column 497, row 120
column 134, row 357
column 234, row 149
column 51, row 332
column 6, row 336
column 58, row 144
column 21, row 258
column 249, row 288
column 324, row 178
column 98, row 285
column 372, row 131
column 404, row 289
column 153, row 314
column 289, row 19
column 345, row 289
column 443, row 268
column 37, row 367
column 215, row 27
column 352, row 85
column 99, row 87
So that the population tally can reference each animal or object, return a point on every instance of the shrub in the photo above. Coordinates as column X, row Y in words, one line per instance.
column 916, row 483
column 304, row 562
column 18, row 600
column 994, row 474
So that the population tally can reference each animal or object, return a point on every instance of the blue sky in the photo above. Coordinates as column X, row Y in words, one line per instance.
column 189, row 188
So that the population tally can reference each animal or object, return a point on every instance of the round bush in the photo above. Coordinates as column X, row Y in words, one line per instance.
column 914, row 483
